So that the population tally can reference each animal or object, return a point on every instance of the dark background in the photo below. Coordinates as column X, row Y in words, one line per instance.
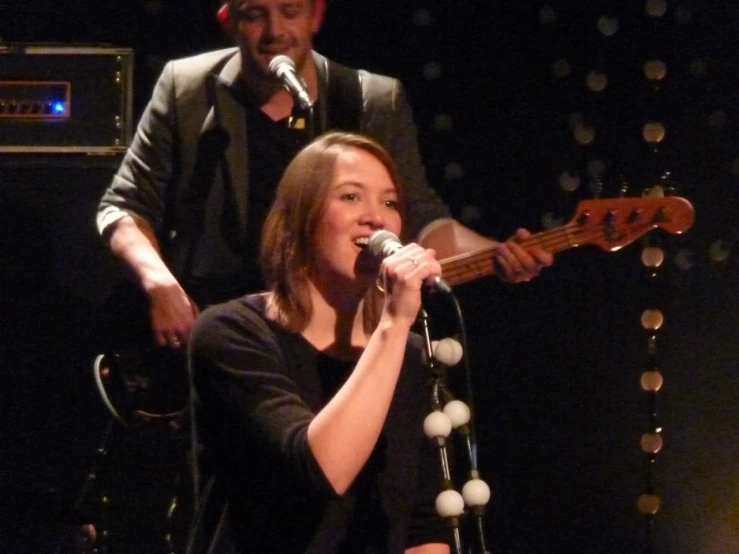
column 556, row 363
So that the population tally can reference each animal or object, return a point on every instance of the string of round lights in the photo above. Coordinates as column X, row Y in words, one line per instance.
column 593, row 132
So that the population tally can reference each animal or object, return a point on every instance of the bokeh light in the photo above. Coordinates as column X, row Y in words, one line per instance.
column 422, row 18
column 653, row 132
column 596, row 81
column 607, row 26
column 550, row 221
column 547, row 15
column 561, row 68
column 655, row 70
column 584, row 134
column 471, row 214
column 652, row 380
column 685, row 259
column 569, row 182
column 652, row 319
column 656, row 8
column 596, row 168
column 649, row 504
column 718, row 119
column 719, row 251
column 652, row 256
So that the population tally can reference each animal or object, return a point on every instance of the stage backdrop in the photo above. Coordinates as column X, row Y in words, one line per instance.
column 524, row 109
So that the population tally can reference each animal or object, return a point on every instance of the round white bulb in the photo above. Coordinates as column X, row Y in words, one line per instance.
column 470, row 215
column 596, row 81
column 458, row 412
column 596, row 168
column 449, row 504
column 569, row 182
column 448, row 351
column 685, row 258
column 437, row 424
column 561, row 68
column 719, row 251
column 550, row 221
column 608, row 26
column 656, row 8
column 423, row 18
column 547, row 15
column 584, row 134
column 476, row 492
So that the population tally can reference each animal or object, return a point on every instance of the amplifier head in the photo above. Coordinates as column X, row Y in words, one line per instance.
column 65, row 99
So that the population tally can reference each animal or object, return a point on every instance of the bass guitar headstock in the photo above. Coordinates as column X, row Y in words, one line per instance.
column 614, row 223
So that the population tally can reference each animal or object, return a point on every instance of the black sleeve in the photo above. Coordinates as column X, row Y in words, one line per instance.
column 389, row 120
column 140, row 185
column 242, row 394
column 424, row 203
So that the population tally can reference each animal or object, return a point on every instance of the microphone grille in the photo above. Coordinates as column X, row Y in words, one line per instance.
column 378, row 240
column 279, row 62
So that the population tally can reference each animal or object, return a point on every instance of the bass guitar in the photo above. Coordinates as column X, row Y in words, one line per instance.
column 610, row 224
column 144, row 385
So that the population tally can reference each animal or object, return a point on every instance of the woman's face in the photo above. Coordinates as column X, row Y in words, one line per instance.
column 361, row 199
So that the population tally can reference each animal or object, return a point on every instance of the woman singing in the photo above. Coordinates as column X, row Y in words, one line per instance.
column 309, row 399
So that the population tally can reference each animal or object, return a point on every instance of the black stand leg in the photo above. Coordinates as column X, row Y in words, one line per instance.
column 84, row 536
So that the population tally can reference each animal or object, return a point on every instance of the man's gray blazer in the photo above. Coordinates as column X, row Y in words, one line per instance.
column 186, row 171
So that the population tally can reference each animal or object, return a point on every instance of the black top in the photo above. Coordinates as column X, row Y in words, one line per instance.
column 273, row 144
column 256, row 388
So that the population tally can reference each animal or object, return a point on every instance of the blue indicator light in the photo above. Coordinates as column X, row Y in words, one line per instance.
column 59, row 107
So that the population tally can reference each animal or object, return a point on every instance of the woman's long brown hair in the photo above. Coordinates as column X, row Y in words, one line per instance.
column 287, row 243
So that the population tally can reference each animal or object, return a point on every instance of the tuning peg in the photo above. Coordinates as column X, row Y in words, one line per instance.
column 635, row 215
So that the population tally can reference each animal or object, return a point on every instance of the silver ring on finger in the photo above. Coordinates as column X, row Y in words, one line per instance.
column 414, row 260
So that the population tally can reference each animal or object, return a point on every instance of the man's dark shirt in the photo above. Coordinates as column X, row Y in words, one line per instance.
column 272, row 145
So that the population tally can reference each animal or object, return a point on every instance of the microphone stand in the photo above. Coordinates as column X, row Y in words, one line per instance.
column 438, row 425
column 307, row 115
column 86, row 536
column 440, row 437
column 311, row 123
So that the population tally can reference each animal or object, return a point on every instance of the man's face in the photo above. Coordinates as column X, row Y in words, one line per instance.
column 267, row 28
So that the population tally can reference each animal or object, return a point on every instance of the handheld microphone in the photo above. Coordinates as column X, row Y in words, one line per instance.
column 385, row 243
column 283, row 68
